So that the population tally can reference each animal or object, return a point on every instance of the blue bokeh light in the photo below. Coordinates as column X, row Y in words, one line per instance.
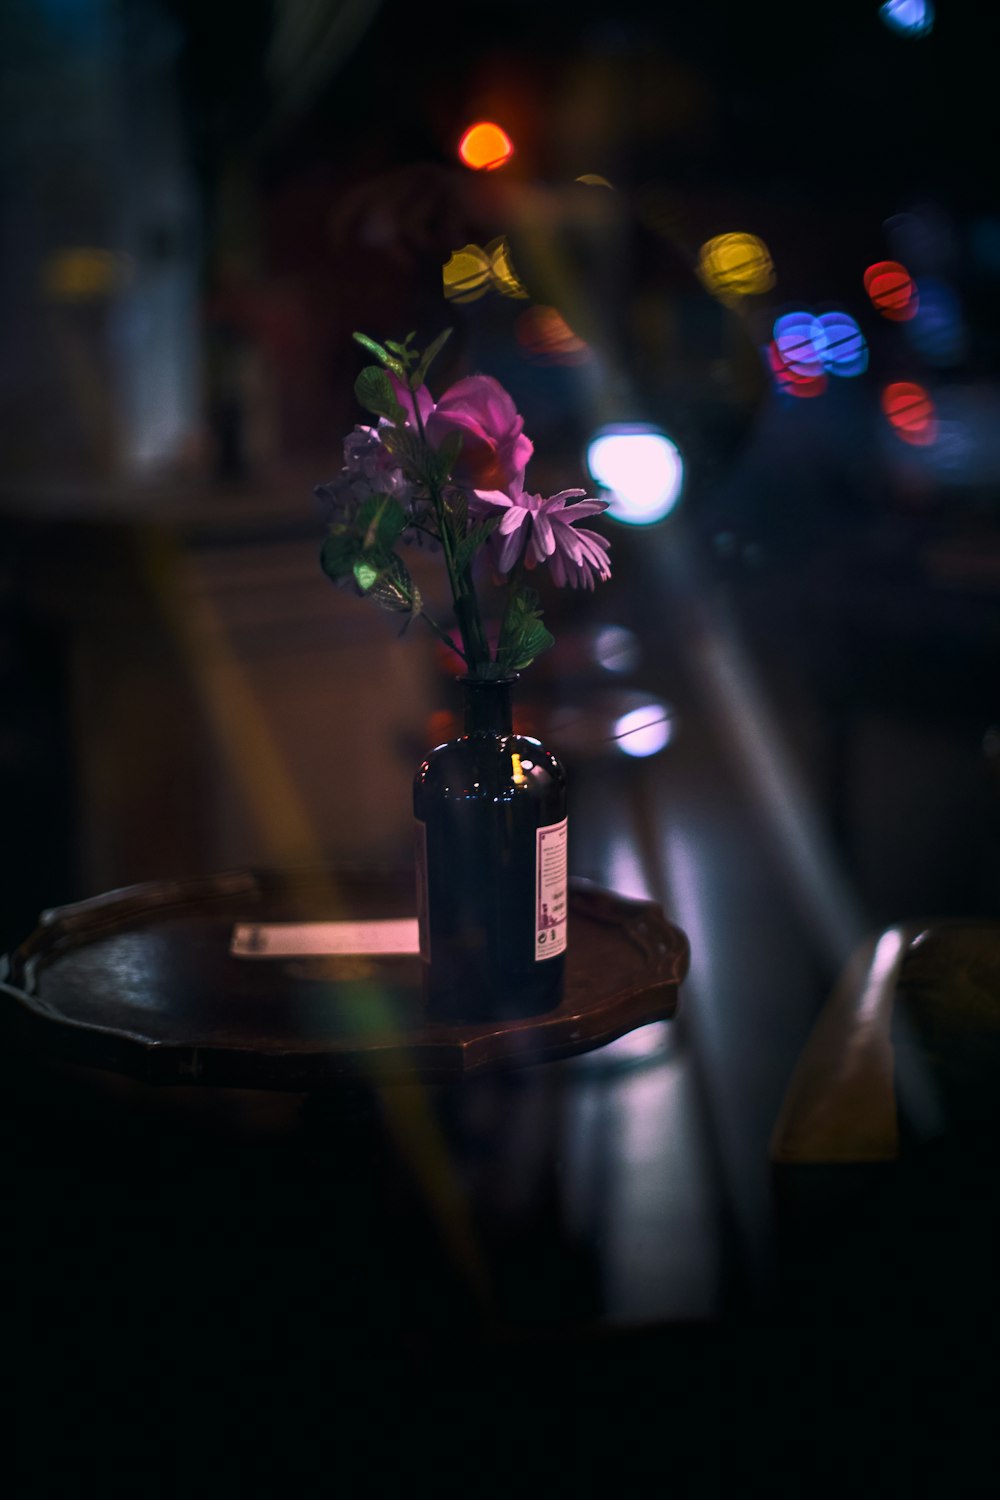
column 800, row 339
column 642, row 469
column 910, row 17
column 844, row 351
column 938, row 329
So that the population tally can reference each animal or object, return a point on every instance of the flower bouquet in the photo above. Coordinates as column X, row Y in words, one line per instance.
column 490, row 806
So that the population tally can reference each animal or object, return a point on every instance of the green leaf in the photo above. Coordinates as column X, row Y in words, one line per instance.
column 366, row 573
column 473, row 540
column 522, row 634
column 381, row 522
column 395, row 590
column 419, row 375
column 406, row 447
column 338, row 554
column 444, row 459
column 456, row 508
column 533, row 642
column 382, row 355
column 374, row 391
column 403, row 352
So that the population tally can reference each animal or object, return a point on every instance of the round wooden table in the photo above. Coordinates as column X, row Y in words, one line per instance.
column 144, row 981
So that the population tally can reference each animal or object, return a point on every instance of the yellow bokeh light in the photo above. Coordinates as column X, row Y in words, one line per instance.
column 472, row 271
column 594, row 179
column 484, row 146
column 82, row 274
column 736, row 265
column 467, row 274
column 502, row 270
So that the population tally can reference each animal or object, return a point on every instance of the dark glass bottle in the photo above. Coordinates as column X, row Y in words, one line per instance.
column 490, row 809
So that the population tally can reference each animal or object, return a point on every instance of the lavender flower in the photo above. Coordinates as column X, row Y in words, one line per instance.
column 369, row 469
column 544, row 530
column 341, row 498
column 366, row 458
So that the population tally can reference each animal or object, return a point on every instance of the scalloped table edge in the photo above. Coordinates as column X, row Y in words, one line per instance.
column 434, row 1052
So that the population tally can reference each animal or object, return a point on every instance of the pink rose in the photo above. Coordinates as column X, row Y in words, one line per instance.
column 494, row 449
column 421, row 399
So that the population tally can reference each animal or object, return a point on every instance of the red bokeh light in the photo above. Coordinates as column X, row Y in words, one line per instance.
column 910, row 411
column 793, row 381
column 892, row 290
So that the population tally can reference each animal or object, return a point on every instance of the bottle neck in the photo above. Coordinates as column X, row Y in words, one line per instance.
column 487, row 705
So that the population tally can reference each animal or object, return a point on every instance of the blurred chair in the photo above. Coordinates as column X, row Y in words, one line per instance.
column 884, row 1151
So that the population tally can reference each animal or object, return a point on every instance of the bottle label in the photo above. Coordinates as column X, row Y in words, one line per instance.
column 423, row 924
column 551, row 902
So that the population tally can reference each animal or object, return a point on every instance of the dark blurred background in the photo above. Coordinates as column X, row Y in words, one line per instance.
column 201, row 201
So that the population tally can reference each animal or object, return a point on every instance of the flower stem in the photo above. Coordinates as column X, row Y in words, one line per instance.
column 476, row 652
column 443, row 635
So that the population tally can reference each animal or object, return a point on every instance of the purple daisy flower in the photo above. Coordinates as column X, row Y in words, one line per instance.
column 544, row 530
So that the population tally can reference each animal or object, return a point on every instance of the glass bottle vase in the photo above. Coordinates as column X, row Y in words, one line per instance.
column 491, row 843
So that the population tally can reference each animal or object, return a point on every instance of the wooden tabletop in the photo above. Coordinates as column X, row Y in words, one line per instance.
column 142, row 981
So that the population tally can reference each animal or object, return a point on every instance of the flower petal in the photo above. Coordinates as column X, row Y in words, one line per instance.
column 424, row 401
column 489, row 500
column 542, row 536
column 513, row 517
column 481, row 398
column 581, row 508
column 561, row 496
column 494, row 450
column 513, row 542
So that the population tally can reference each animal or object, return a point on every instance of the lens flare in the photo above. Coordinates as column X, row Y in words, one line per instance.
column 910, row 412
column 642, row 469
column 485, row 146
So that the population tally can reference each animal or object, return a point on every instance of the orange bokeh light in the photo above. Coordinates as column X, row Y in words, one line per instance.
column 891, row 289
column 543, row 333
column 484, row 146
column 910, row 411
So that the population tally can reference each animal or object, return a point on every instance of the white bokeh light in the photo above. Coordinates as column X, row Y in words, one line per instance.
column 616, row 649
column 644, row 731
column 642, row 469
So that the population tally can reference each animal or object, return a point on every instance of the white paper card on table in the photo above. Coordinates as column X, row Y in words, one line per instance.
column 321, row 939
